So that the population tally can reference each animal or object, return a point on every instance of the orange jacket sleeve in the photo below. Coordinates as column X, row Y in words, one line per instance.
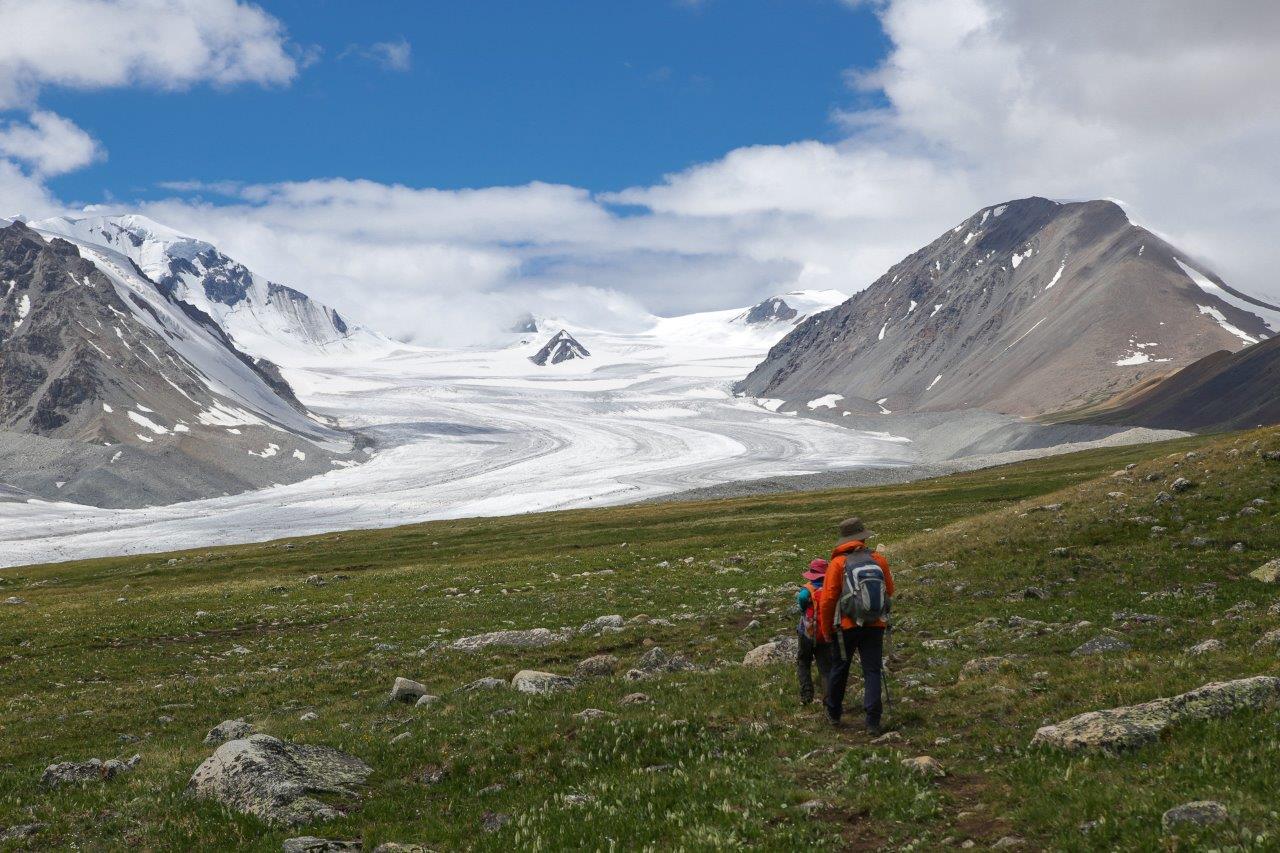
column 830, row 596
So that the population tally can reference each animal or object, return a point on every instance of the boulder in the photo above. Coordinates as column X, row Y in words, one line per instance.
column 93, row 770
column 20, row 831
column 589, row 714
column 1270, row 641
column 925, row 765
column 531, row 639
column 597, row 666
column 533, row 681
column 982, row 666
column 15, row 600
column 602, row 623
column 487, row 683
column 311, row 844
column 228, row 730
column 635, row 699
column 404, row 690
column 1132, row 726
column 1103, row 644
column 426, row 699
column 779, row 651
column 1206, row 647
column 397, row 847
column 278, row 781
column 657, row 660
column 1267, row 572
column 493, row 821
column 1198, row 813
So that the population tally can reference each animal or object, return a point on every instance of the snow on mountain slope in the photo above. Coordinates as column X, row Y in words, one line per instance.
column 791, row 308
column 265, row 319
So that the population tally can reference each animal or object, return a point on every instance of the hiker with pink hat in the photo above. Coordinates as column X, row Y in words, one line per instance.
column 809, row 650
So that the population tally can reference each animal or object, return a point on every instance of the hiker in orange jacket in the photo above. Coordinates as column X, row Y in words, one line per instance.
column 867, row 640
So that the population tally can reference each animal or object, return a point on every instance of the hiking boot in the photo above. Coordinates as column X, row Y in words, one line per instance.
column 835, row 722
column 874, row 729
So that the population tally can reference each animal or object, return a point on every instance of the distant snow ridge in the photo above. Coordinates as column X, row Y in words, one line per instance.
column 264, row 319
column 562, row 347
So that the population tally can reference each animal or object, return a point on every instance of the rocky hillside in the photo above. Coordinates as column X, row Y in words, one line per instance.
column 115, row 393
column 1221, row 391
column 561, row 347
column 1027, row 307
column 263, row 318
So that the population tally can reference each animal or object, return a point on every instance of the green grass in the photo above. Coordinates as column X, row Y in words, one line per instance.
column 113, row 647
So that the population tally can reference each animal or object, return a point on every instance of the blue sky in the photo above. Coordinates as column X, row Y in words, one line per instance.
column 601, row 95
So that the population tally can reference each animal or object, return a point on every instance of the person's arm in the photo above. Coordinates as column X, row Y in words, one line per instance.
column 827, row 601
column 802, row 599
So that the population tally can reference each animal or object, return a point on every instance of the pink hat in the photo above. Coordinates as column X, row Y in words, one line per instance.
column 817, row 570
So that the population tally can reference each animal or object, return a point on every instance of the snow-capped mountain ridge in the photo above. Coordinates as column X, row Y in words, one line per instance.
column 265, row 319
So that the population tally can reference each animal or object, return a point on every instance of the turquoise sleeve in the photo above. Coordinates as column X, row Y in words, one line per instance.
column 802, row 599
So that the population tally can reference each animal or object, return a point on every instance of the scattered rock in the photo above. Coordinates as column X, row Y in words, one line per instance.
column 532, row 639
column 1267, row 572
column 982, row 666
column 1009, row 842
column 888, row 737
column 1270, row 640
column 657, row 660
column 278, row 781
column 596, row 666
column 1060, row 552
column 602, row 623
column 403, row 736
column 397, row 847
column 811, row 807
column 533, row 681
column 228, row 730
column 426, row 699
column 1034, row 592
column 93, row 770
column 15, row 600
column 407, row 691
column 487, row 683
column 1131, row 726
column 635, row 699
column 589, row 714
column 315, row 580
column 1249, row 510
column 924, row 764
column 779, row 651
column 20, row 831
column 309, row 717
column 432, row 774
column 1182, row 484
column 1198, row 813
column 1206, row 647
column 493, row 821
column 311, row 844
column 1103, row 644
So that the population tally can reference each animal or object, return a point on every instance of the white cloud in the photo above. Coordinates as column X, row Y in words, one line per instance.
column 49, row 144
column 395, row 55
column 167, row 44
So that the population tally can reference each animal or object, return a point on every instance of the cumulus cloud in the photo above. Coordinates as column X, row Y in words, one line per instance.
column 166, row 44
column 48, row 143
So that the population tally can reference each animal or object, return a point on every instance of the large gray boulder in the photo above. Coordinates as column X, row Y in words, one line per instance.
column 779, row 651
column 311, row 844
column 1198, row 813
column 1132, row 726
column 93, row 770
column 407, row 691
column 1103, row 644
column 1267, row 572
column 278, row 781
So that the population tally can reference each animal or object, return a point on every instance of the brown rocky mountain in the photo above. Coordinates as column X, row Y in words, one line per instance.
column 1025, row 308
column 114, row 393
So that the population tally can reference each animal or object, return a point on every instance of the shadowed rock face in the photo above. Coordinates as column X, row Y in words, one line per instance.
column 772, row 310
column 1132, row 726
column 562, row 347
column 1025, row 308
column 278, row 781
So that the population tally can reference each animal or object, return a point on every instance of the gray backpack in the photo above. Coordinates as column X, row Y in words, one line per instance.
column 864, row 598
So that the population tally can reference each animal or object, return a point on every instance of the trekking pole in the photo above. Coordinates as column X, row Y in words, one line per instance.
column 884, row 669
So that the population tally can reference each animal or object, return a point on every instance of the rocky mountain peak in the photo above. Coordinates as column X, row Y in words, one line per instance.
column 561, row 347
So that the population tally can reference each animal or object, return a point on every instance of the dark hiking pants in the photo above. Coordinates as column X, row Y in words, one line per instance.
column 869, row 645
column 807, row 654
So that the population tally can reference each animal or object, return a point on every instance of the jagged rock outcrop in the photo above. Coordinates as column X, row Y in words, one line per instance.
column 561, row 348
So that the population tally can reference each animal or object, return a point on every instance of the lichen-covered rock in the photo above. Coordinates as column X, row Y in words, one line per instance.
column 657, row 660
column 1267, row 572
column 1103, row 644
column 596, row 666
column 779, row 651
column 1206, row 647
column 1270, row 641
column 1132, row 726
column 602, row 623
column 311, row 844
column 533, row 681
column 982, row 666
column 228, row 730
column 93, row 770
column 407, row 691
column 924, row 764
column 531, row 639
column 1198, row 813
column 278, row 781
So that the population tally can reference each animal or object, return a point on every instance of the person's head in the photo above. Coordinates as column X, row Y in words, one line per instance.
column 817, row 570
column 853, row 530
